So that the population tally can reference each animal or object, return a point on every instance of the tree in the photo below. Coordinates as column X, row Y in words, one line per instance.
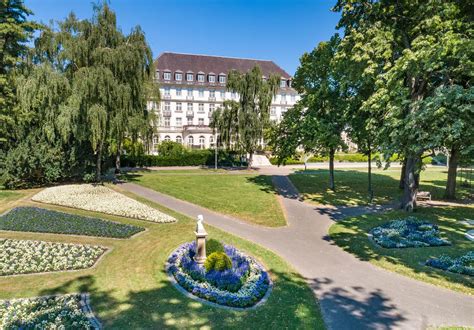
column 15, row 32
column 242, row 123
column 316, row 122
column 405, row 45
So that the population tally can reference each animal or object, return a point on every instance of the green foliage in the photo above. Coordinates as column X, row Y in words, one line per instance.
column 171, row 149
column 217, row 261
column 213, row 245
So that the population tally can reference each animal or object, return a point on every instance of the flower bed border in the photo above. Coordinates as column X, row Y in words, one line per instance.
column 84, row 304
column 188, row 294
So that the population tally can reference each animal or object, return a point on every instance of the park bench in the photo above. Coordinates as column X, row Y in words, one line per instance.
column 423, row 196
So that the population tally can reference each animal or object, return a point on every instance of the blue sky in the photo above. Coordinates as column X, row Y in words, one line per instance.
column 264, row 29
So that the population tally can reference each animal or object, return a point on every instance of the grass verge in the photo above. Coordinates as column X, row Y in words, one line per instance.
column 351, row 235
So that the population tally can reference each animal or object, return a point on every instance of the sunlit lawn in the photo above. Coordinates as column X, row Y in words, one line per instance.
column 8, row 196
column 245, row 195
column 351, row 235
column 351, row 185
column 129, row 287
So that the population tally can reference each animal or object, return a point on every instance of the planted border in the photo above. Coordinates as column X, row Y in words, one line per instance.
column 255, row 286
column 35, row 219
column 462, row 265
column 27, row 257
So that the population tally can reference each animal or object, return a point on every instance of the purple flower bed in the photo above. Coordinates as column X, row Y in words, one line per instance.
column 241, row 286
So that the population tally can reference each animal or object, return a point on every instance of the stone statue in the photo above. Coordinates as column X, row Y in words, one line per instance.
column 201, row 235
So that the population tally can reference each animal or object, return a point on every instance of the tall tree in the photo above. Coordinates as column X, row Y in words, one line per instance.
column 400, row 43
column 242, row 123
column 318, row 119
column 15, row 32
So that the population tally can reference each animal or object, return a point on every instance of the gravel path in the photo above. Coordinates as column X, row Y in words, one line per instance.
column 353, row 294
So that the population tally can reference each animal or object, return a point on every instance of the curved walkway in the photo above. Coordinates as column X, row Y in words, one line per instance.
column 353, row 294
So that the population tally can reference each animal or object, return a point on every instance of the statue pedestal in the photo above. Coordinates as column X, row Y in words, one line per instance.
column 200, row 256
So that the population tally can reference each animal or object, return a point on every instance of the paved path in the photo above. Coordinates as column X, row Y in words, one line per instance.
column 353, row 294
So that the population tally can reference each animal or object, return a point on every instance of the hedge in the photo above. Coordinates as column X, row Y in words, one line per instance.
column 341, row 157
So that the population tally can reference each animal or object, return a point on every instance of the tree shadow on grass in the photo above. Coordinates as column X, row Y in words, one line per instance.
column 264, row 182
column 355, row 307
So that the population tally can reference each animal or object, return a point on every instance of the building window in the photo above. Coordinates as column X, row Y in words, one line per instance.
column 212, row 94
column 222, row 94
column 190, row 107
column 233, row 95
column 178, row 91
column 155, row 140
column 167, row 75
column 212, row 78
column 189, row 77
column 200, row 77
column 212, row 106
column 178, row 76
column 201, row 121
column 167, row 91
column 179, row 122
column 202, row 142
column 179, row 107
column 157, row 74
column 222, row 79
column 190, row 92
column 167, row 138
column 190, row 121
column 293, row 98
column 283, row 83
column 211, row 139
column 167, row 106
column 179, row 139
column 201, row 107
column 283, row 97
column 190, row 140
column 273, row 111
column 167, row 121
column 201, row 92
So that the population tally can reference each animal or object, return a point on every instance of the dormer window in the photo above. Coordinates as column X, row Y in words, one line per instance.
column 157, row 74
column 189, row 76
column 178, row 76
column 212, row 78
column 200, row 77
column 167, row 75
column 283, row 83
column 222, row 79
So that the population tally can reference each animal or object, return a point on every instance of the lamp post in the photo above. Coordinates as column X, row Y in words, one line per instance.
column 201, row 235
column 215, row 150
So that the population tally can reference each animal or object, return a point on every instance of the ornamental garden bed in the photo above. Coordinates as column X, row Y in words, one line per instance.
column 70, row 311
column 26, row 256
column 102, row 199
column 34, row 219
column 228, row 277
column 462, row 265
column 409, row 232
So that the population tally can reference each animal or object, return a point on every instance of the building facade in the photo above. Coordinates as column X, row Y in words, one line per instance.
column 193, row 86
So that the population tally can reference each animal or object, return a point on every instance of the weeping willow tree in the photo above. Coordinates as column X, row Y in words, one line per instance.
column 241, row 124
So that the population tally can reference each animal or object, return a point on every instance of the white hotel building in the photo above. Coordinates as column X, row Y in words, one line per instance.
column 193, row 86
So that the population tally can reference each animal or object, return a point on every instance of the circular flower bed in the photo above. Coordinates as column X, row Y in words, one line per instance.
column 409, row 232
column 243, row 285
column 462, row 265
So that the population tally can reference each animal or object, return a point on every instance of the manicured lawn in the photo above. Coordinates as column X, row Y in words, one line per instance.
column 8, row 196
column 34, row 219
column 351, row 235
column 351, row 185
column 247, row 196
column 129, row 287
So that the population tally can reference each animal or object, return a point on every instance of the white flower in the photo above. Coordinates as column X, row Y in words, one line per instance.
column 100, row 199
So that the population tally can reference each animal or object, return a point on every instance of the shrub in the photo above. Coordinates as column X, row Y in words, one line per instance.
column 462, row 265
column 217, row 261
column 214, row 245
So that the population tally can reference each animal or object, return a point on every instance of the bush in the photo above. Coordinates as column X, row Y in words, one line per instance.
column 217, row 261
column 214, row 245
column 462, row 265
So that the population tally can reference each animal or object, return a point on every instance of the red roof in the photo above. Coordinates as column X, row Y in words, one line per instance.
column 174, row 62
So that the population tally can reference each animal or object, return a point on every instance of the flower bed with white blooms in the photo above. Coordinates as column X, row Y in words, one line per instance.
column 99, row 198
column 242, row 286
column 70, row 311
column 25, row 257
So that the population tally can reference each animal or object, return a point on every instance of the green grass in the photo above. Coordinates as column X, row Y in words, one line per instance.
column 9, row 196
column 129, row 288
column 351, row 185
column 247, row 196
column 34, row 219
column 351, row 235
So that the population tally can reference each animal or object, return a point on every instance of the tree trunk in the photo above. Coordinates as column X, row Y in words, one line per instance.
column 250, row 160
column 369, row 164
column 450, row 192
column 117, row 159
column 410, row 188
column 99, row 163
column 332, row 185
column 401, row 184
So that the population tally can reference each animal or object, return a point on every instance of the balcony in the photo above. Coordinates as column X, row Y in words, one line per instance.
column 166, row 97
column 189, row 97
column 189, row 113
column 191, row 129
column 166, row 113
column 212, row 98
column 170, row 129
